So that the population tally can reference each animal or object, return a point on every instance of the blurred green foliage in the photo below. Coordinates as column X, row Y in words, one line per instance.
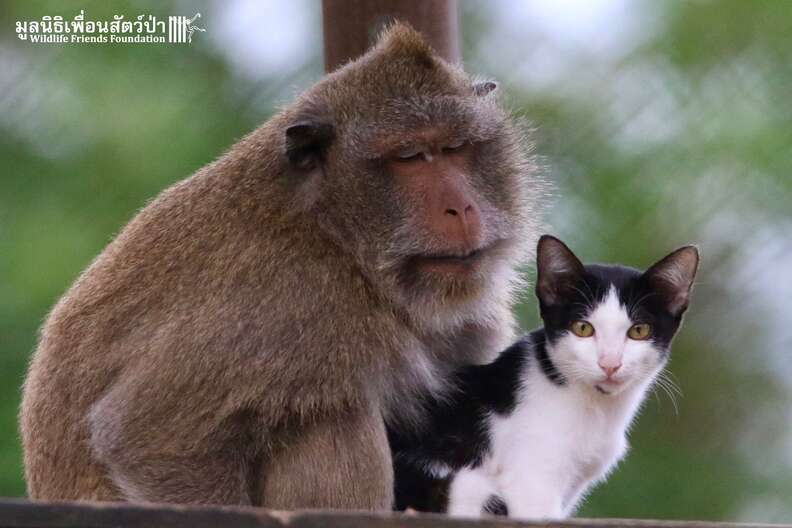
column 681, row 132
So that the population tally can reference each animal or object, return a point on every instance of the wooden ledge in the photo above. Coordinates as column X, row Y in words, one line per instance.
column 21, row 513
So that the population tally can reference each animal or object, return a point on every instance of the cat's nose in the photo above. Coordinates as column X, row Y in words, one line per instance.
column 609, row 370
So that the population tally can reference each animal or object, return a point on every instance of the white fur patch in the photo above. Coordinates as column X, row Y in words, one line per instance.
column 469, row 492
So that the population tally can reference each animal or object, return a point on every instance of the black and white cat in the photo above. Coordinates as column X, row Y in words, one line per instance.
column 530, row 433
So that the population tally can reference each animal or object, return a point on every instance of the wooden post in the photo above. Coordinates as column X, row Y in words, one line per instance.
column 350, row 26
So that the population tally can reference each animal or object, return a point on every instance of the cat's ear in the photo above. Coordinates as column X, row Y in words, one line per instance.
column 673, row 278
column 557, row 268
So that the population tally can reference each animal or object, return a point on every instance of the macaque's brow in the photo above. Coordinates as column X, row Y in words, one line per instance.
column 421, row 137
column 390, row 132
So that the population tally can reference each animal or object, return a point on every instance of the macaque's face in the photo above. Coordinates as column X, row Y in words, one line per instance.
column 447, row 216
column 433, row 176
column 421, row 176
column 440, row 206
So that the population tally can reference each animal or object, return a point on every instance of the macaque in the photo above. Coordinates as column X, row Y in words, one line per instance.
column 247, row 336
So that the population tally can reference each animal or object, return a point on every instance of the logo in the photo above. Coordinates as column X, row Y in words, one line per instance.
column 181, row 29
column 142, row 29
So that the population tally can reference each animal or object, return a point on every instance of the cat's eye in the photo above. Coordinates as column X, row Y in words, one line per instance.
column 582, row 329
column 639, row 331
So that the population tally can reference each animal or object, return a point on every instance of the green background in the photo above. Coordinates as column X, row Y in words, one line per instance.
column 659, row 123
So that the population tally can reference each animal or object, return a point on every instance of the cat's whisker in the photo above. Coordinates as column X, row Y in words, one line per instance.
column 589, row 300
column 657, row 397
column 573, row 369
column 633, row 306
column 673, row 388
column 662, row 383
column 584, row 305
column 671, row 378
column 591, row 292
column 667, row 378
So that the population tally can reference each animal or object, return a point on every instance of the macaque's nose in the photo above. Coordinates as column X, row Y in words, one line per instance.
column 460, row 221
column 609, row 370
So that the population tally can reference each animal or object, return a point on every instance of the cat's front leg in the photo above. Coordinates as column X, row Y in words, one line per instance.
column 534, row 496
column 468, row 492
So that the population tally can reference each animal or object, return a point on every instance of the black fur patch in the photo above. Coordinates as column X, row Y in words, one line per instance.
column 539, row 340
column 496, row 506
column 494, row 387
column 415, row 488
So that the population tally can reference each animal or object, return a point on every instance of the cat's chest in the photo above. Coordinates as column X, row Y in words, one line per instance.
column 563, row 430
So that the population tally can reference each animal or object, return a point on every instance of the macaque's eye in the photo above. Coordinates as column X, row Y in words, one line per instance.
column 582, row 328
column 454, row 146
column 639, row 332
column 412, row 154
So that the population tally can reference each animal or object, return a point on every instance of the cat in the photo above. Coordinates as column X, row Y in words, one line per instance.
column 530, row 433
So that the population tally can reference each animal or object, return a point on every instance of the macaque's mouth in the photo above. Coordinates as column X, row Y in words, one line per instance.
column 455, row 264
column 451, row 258
column 459, row 264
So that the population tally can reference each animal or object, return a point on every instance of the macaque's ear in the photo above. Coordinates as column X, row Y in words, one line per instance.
column 557, row 270
column 673, row 277
column 481, row 89
column 307, row 141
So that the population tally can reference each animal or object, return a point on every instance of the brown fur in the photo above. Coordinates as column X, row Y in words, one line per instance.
column 241, row 339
